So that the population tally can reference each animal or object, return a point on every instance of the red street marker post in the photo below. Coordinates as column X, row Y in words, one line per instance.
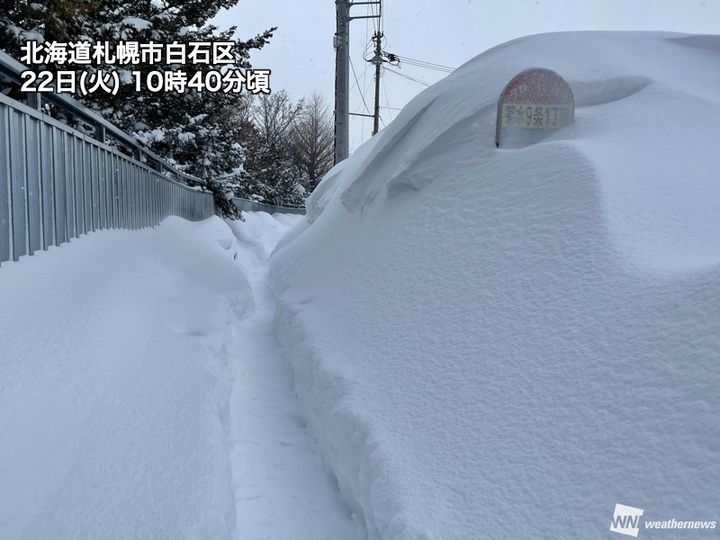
column 533, row 104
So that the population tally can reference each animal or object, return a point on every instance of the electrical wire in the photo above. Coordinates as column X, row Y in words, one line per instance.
column 442, row 70
column 357, row 83
column 381, row 21
column 407, row 77
column 407, row 58
column 369, row 48
column 375, row 22
column 387, row 101
column 365, row 67
column 423, row 64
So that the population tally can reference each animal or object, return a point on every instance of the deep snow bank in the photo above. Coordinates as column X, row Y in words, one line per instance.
column 505, row 343
column 114, row 386
column 282, row 488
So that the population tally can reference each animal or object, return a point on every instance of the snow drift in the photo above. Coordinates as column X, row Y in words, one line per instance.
column 142, row 395
column 115, row 385
column 505, row 343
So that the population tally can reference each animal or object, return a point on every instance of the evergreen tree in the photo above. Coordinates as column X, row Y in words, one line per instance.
column 189, row 129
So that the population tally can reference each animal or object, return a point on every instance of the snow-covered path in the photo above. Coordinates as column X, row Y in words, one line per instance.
column 141, row 394
column 282, row 488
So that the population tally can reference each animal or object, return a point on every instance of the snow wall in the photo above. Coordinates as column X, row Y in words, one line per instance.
column 506, row 343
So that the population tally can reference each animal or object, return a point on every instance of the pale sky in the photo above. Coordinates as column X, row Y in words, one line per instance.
column 447, row 32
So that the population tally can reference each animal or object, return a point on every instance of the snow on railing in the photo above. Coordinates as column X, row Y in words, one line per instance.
column 57, row 183
column 247, row 205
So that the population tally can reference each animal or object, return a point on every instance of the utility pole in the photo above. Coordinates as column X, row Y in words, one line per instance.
column 342, row 81
column 342, row 73
column 377, row 60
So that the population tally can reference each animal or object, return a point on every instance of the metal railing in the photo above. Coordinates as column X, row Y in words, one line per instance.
column 256, row 206
column 57, row 183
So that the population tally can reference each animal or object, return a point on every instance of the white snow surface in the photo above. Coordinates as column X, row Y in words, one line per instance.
column 142, row 396
column 113, row 394
column 283, row 489
column 506, row 343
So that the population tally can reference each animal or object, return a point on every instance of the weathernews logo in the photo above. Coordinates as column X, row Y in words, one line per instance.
column 626, row 520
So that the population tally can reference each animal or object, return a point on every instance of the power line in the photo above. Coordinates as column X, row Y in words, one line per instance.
column 387, row 102
column 425, row 66
column 396, row 59
column 357, row 83
column 387, row 99
column 381, row 21
column 365, row 67
column 377, row 11
column 409, row 59
column 407, row 77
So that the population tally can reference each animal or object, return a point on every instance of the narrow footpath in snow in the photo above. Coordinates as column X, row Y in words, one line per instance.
column 142, row 394
column 282, row 488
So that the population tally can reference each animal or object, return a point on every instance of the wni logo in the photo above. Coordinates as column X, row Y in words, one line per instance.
column 626, row 520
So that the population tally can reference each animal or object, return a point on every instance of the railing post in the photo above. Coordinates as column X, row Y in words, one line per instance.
column 34, row 100
column 6, row 224
column 100, row 133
